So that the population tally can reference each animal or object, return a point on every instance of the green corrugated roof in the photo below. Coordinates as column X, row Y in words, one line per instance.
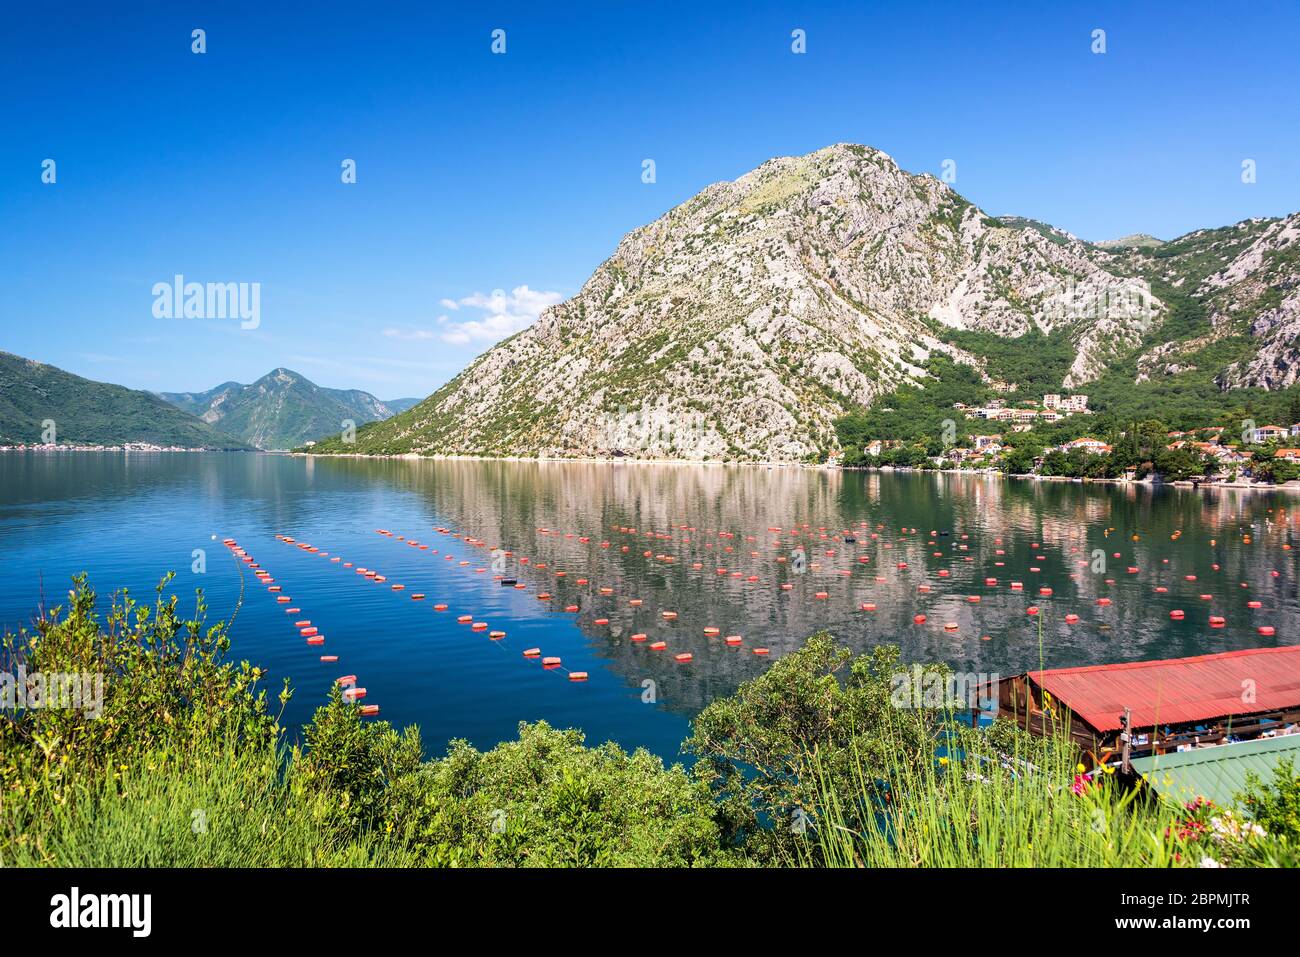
column 1216, row 773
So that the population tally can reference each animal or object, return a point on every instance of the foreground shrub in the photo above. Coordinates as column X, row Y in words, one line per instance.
column 817, row 720
column 816, row 762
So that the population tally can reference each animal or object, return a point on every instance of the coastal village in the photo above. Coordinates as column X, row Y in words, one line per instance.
column 68, row 447
column 1226, row 456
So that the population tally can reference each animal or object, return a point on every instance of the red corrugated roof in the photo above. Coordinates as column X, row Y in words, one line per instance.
column 1178, row 689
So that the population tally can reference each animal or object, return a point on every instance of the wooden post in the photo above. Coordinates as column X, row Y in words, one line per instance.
column 1126, row 738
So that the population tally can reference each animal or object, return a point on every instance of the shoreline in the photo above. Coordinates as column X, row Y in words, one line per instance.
column 628, row 460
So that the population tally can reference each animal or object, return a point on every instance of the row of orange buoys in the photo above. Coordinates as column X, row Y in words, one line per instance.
column 497, row 636
column 309, row 632
column 525, row 565
column 720, row 556
column 851, row 537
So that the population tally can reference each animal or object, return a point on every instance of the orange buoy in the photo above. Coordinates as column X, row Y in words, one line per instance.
column 1103, row 601
column 1266, row 630
column 302, row 624
column 658, row 645
column 1031, row 610
column 417, row 596
column 733, row 639
column 571, row 608
column 370, row 710
column 551, row 662
column 868, row 606
column 1177, row 614
column 669, row 615
column 308, row 631
column 919, row 619
column 329, row 658
column 464, row 619
column 950, row 626
column 532, row 652
column 1217, row 621
column 496, row 635
column 1254, row 604
column 710, row 630
column 638, row 637
column 346, row 680
column 1071, row 619
column 316, row 640
column 761, row 651
column 577, row 676
column 685, row 656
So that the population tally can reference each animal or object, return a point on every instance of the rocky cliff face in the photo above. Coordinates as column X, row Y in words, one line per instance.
column 743, row 322
column 1260, row 289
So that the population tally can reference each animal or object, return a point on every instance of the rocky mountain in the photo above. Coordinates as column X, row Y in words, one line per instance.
column 282, row 409
column 742, row 323
column 1241, row 286
column 85, row 412
column 1139, row 240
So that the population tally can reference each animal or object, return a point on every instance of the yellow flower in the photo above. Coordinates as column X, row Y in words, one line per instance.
column 1080, row 768
column 943, row 762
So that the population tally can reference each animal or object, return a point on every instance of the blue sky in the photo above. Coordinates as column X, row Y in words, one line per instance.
column 479, row 172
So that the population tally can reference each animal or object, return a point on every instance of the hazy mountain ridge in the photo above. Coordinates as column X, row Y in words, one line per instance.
column 282, row 409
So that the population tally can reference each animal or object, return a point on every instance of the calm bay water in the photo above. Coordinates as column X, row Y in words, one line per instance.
column 126, row 519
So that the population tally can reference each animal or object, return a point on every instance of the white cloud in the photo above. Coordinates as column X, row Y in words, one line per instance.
column 392, row 332
column 501, row 314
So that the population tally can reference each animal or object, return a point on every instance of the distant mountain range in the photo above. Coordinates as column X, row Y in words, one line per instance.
column 283, row 409
column 744, row 323
column 85, row 412
column 278, row 411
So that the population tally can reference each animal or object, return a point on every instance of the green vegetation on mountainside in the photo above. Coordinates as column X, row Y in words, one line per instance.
column 85, row 412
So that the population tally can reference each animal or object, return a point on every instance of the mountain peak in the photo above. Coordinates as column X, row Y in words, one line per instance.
column 1133, row 241
column 282, row 409
column 742, row 323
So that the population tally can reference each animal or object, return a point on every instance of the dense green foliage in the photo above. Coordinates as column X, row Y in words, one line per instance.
column 1275, row 805
column 816, row 762
column 819, row 720
column 1035, row 362
column 91, row 413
